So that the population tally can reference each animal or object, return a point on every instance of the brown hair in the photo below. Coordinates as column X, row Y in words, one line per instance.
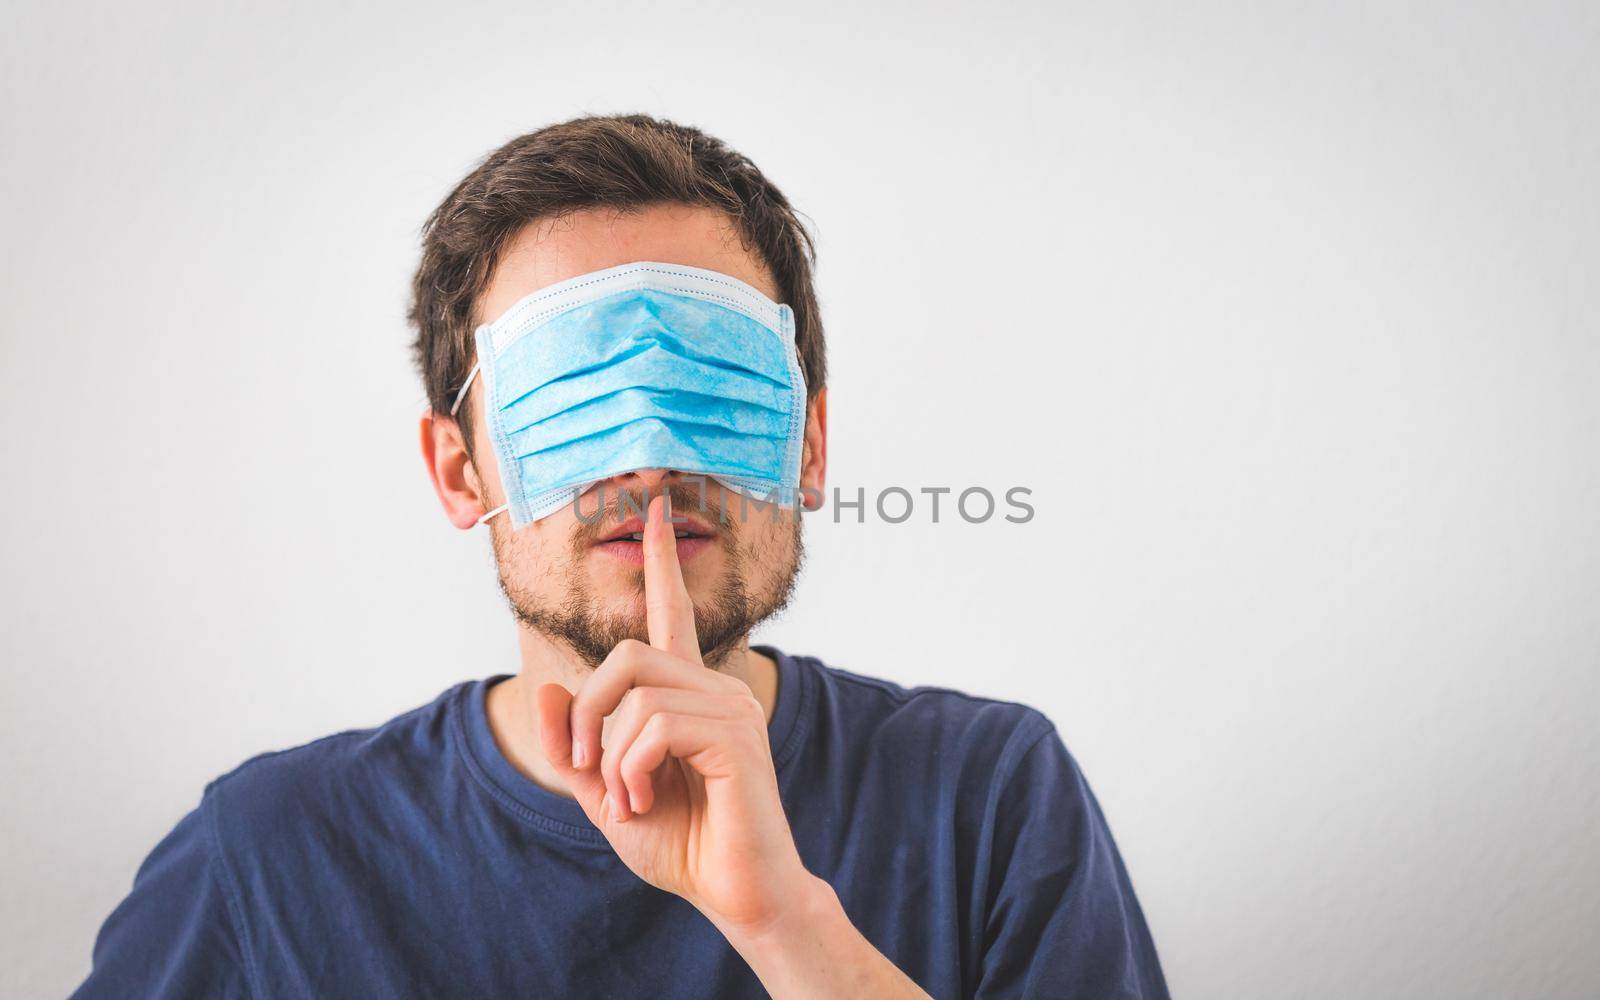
column 614, row 161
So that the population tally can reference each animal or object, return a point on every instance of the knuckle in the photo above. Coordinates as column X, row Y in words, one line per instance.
column 658, row 726
column 628, row 651
column 637, row 703
column 750, row 708
column 586, row 707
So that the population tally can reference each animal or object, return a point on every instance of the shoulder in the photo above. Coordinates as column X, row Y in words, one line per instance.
column 928, row 723
column 279, row 794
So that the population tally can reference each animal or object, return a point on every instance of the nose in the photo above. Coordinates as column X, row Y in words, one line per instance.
column 645, row 479
column 651, row 481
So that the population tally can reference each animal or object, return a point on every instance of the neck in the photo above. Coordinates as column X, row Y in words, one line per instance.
column 510, row 705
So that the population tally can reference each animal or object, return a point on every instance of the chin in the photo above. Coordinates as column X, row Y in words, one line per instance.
column 621, row 603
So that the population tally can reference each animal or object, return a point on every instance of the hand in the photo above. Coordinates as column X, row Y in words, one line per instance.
column 685, row 789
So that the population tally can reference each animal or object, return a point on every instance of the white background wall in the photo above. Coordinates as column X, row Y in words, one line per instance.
column 1286, row 313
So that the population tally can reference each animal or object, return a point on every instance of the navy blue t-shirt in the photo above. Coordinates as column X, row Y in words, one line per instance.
column 413, row 860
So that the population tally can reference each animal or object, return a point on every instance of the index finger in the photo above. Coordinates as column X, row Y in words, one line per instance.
column 669, row 613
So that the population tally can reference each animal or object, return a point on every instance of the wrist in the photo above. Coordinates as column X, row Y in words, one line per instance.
column 809, row 903
column 811, row 949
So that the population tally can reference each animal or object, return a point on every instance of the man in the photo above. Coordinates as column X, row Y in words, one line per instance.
column 651, row 806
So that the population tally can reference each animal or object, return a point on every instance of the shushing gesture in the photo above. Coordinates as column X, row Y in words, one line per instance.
column 684, row 787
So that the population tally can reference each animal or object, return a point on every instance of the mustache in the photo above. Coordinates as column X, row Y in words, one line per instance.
column 619, row 504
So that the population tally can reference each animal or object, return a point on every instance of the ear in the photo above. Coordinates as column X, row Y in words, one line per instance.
column 814, row 457
column 455, row 480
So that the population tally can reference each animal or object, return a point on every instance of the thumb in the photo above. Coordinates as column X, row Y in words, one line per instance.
column 554, row 709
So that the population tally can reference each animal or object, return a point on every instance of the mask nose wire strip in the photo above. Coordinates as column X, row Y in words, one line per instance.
column 464, row 387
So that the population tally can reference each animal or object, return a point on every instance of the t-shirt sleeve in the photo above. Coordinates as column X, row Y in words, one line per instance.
column 173, row 935
column 1063, row 920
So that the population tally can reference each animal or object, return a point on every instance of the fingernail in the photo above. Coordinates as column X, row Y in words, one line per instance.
column 616, row 811
column 667, row 504
column 578, row 754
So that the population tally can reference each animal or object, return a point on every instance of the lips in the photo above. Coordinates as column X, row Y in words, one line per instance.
column 633, row 530
column 625, row 541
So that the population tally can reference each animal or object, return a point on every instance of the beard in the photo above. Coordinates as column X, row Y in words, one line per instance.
column 755, row 585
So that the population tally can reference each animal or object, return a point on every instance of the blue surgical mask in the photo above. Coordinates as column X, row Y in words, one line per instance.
column 641, row 366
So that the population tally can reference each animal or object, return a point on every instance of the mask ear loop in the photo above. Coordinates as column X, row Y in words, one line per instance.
column 464, row 387
column 492, row 513
column 456, row 406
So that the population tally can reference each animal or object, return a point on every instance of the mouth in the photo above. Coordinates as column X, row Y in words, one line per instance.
column 625, row 541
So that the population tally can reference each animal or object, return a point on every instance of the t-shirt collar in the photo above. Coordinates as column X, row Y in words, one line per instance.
column 562, row 816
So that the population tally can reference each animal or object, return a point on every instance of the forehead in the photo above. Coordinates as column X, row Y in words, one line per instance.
column 550, row 250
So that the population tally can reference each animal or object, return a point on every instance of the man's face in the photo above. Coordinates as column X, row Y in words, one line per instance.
column 579, row 580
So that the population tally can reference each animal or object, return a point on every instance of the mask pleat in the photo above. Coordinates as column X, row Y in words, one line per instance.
column 652, row 368
column 627, row 405
column 577, row 427
column 611, row 329
column 657, row 444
